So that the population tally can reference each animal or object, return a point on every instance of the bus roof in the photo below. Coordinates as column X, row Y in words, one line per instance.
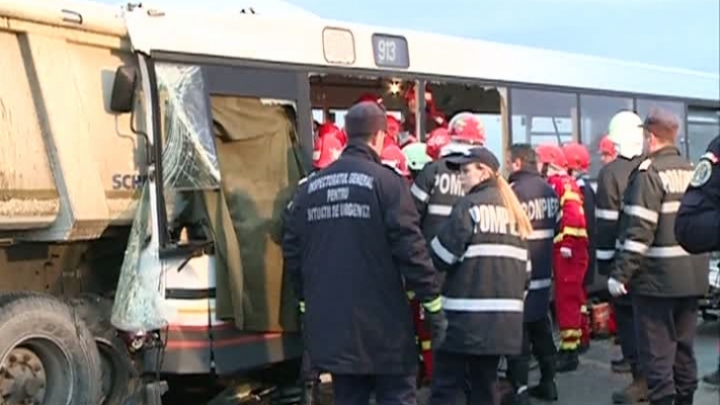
column 327, row 43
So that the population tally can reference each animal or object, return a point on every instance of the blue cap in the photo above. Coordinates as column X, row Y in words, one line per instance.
column 474, row 155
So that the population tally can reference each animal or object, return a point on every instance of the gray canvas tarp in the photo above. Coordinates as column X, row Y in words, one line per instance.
column 259, row 168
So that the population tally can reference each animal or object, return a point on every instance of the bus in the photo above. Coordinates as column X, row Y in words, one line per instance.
column 147, row 155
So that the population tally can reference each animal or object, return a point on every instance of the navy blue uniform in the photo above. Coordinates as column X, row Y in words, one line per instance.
column 352, row 246
column 588, row 195
column 697, row 227
column 487, row 271
column 541, row 205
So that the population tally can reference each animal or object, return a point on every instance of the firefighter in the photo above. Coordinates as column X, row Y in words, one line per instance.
column 417, row 157
column 607, row 150
column 570, row 254
column 437, row 187
column 351, row 247
column 665, row 280
column 433, row 118
column 393, row 131
column 393, row 157
column 698, row 221
column 578, row 160
column 541, row 205
column 482, row 246
column 626, row 134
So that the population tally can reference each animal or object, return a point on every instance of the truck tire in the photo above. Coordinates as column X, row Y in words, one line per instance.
column 119, row 376
column 47, row 353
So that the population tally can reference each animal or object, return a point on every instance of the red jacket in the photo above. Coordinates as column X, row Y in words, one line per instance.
column 571, row 218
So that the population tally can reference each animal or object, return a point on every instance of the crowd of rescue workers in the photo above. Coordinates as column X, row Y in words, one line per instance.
column 384, row 217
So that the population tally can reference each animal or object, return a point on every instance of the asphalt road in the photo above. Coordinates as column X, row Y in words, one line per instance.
column 592, row 384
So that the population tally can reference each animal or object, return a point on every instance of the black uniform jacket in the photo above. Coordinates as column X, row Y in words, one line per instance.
column 697, row 227
column 650, row 260
column 352, row 246
column 487, row 268
column 435, row 190
column 588, row 196
column 541, row 204
column 611, row 185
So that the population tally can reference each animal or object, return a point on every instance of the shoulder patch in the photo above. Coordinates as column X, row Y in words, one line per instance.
column 645, row 165
column 702, row 173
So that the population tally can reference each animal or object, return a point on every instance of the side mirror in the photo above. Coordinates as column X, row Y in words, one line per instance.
column 122, row 98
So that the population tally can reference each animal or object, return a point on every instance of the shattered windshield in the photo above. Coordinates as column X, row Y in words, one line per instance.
column 189, row 160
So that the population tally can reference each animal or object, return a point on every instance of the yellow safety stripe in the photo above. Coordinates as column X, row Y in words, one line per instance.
column 434, row 305
column 568, row 333
column 570, row 231
column 411, row 294
column 426, row 344
column 569, row 345
column 583, row 309
column 570, row 196
column 302, row 307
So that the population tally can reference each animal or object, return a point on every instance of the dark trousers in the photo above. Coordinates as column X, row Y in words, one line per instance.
column 356, row 389
column 453, row 371
column 308, row 371
column 665, row 337
column 625, row 320
column 538, row 341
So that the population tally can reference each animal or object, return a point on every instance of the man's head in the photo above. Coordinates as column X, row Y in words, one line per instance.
column 521, row 156
column 366, row 123
column 661, row 129
column 607, row 150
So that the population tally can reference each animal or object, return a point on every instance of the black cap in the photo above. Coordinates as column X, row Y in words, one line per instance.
column 474, row 155
column 364, row 120
column 661, row 122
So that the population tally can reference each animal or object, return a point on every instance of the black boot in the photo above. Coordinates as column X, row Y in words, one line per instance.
column 567, row 360
column 664, row 401
column 546, row 391
column 309, row 393
column 712, row 379
column 684, row 399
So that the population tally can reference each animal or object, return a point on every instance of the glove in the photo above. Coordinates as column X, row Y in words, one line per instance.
column 565, row 252
column 437, row 323
column 616, row 288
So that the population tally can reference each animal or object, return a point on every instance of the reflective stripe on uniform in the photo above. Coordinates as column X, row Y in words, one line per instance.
column 541, row 234
column 441, row 252
column 494, row 250
column 635, row 247
column 570, row 231
column 570, row 196
column 670, row 207
column 483, row 304
column 609, row 215
column 666, row 251
column 426, row 345
column 641, row 212
column 433, row 305
column 604, row 254
column 540, row 284
column 302, row 307
column 419, row 193
column 439, row 209
column 528, row 267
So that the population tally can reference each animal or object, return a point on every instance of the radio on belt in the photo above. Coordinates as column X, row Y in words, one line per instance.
column 390, row 51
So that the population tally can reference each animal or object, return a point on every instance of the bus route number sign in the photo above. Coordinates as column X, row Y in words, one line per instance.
column 390, row 51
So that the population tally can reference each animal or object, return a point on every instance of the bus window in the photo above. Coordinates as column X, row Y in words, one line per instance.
column 644, row 106
column 703, row 126
column 543, row 116
column 595, row 115
column 447, row 99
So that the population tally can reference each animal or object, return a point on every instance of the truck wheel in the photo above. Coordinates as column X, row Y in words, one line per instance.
column 47, row 355
column 119, row 376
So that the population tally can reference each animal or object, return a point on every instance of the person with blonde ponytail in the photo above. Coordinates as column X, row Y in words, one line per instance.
column 483, row 250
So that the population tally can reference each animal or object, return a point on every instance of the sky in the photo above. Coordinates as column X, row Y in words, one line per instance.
column 677, row 33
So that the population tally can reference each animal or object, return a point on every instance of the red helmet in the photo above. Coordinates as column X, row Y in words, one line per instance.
column 370, row 97
column 606, row 146
column 394, row 157
column 551, row 154
column 326, row 150
column 577, row 156
column 437, row 139
column 327, row 128
column 465, row 127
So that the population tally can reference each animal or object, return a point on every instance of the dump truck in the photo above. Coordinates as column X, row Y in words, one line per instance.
column 123, row 252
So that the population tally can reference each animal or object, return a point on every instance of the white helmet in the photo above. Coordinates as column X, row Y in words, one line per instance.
column 626, row 132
